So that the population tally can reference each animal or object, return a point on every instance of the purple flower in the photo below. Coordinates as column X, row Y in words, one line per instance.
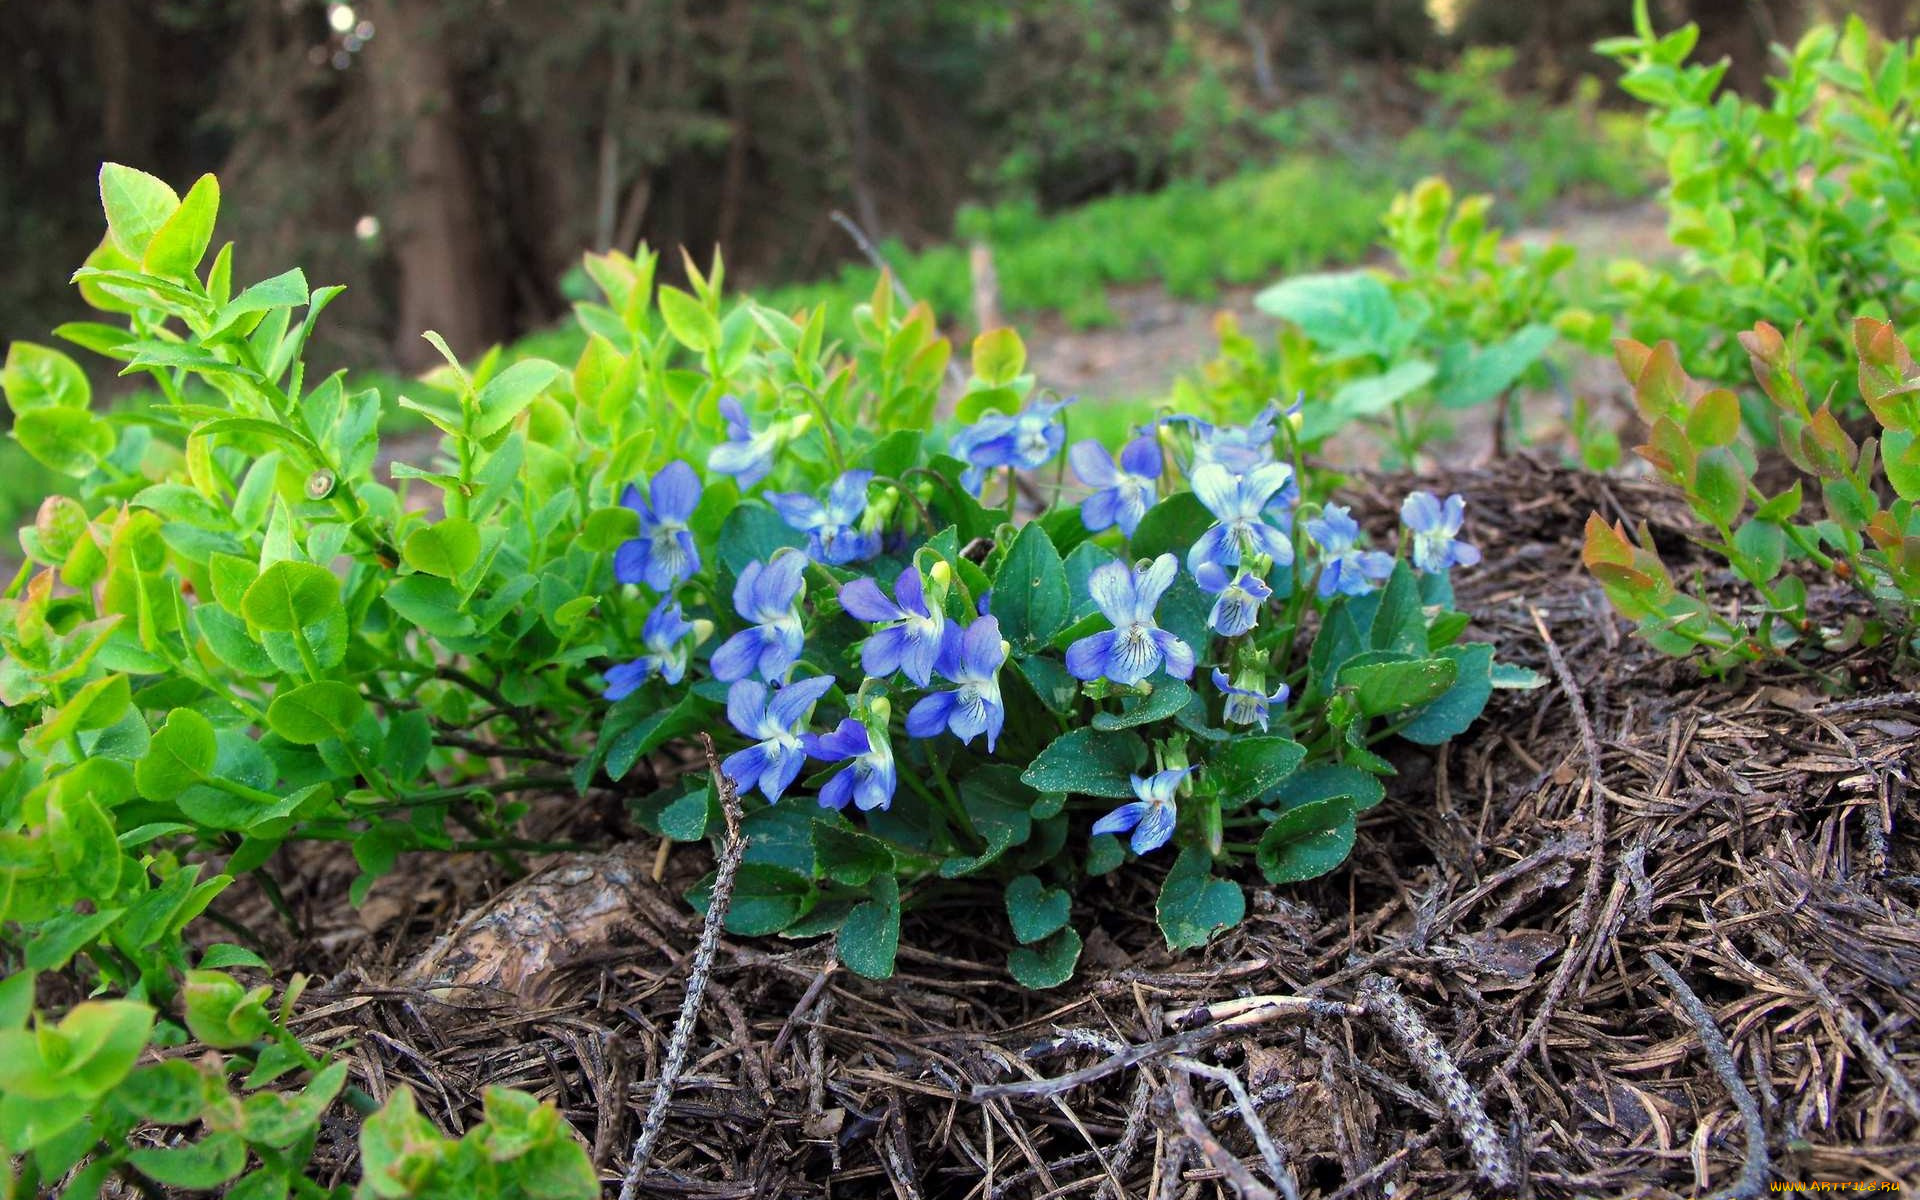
column 1246, row 703
column 670, row 639
column 1435, row 527
column 773, row 762
column 832, row 529
column 766, row 595
column 1238, row 448
column 1237, row 598
column 869, row 777
column 1344, row 567
column 1123, row 493
column 745, row 455
column 1135, row 647
column 1152, row 816
column 972, row 661
column 1239, row 505
column 910, row 640
column 664, row 553
column 1026, row 439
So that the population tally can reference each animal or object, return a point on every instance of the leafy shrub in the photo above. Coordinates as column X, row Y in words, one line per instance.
column 1699, row 445
column 1806, row 204
column 1467, row 318
column 234, row 635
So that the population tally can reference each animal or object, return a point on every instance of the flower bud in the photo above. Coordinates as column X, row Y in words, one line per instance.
column 941, row 574
column 702, row 630
column 880, row 710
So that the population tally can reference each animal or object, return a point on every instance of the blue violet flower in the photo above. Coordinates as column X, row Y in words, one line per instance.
column 1246, row 703
column 1151, row 817
column 1344, row 567
column 1237, row 598
column 664, row 554
column 1123, row 492
column 745, row 455
column 775, row 719
column 767, row 595
column 913, row 627
column 1027, row 439
column 972, row 661
column 869, row 776
column 1242, row 527
column 1436, row 528
column 1136, row 646
column 832, row 529
column 670, row 640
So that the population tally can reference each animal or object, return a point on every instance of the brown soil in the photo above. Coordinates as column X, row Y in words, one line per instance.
column 1493, row 1021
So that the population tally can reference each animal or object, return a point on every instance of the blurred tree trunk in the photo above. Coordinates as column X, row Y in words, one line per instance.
column 434, row 217
column 120, row 61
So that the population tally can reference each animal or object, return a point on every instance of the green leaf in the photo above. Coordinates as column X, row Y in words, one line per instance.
column 313, row 712
column 1388, row 687
column 1030, row 589
column 1489, row 372
column 1036, row 910
column 137, row 205
column 998, row 357
column 179, row 244
column 1105, row 853
column 200, row 1166
column 182, row 754
column 1308, row 841
column 38, row 376
column 433, row 605
column 1462, row 703
column 446, row 548
column 1048, row 964
column 1171, row 527
column 1365, row 397
column 846, row 855
column 1247, row 768
column 71, row 441
column 766, row 899
column 870, row 936
column 999, row 807
column 290, row 595
column 1900, row 455
column 1328, row 781
column 1088, row 762
column 1346, row 313
column 753, row 531
column 1168, row 697
column 58, row 940
column 1399, row 622
column 285, row 290
column 688, row 320
column 1193, row 904
column 508, row 394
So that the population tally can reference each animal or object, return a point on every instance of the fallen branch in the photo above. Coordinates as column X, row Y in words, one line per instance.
column 1757, row 1168
column 732, row 850
column 1410, row 1031
column 1250, row 1116
column 1218, row 1157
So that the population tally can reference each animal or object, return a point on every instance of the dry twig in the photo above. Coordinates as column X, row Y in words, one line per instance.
column 1400, row 1021
column 732, row 850
column 1757, row 1168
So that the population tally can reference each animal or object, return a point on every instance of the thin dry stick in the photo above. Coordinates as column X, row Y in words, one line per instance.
column 1400, row 1021
column 1596, row 848
column 731, row 851
column 1219, row 1157
column 1179, row 1043
column 1757, row 1168
column 1875, row 1054
column 1276, row 1162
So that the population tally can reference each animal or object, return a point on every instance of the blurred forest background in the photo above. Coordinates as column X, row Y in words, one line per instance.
column 450, row 160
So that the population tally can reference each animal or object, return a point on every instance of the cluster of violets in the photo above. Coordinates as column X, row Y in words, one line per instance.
column 1231, row 470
